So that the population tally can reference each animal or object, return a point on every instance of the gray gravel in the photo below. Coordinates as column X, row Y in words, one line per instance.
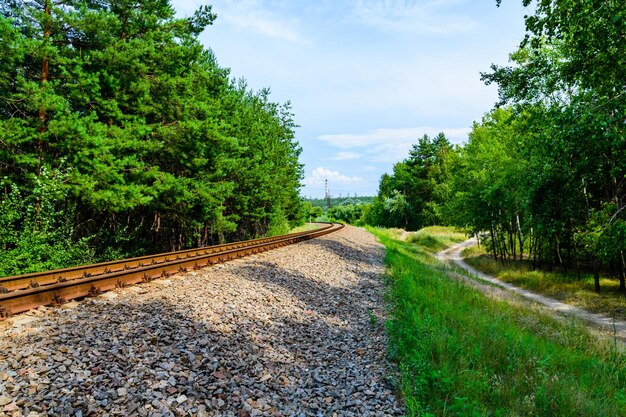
column 293, row 332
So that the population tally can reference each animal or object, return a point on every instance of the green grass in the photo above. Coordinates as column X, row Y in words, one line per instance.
column 304, row 228
column 432, row 238
column 436, row 238
column 460, row 353
column 563, row 287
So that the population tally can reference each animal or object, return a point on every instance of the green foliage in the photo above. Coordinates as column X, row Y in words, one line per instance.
column 343, row 209
column 545, row 174
column 339, row 201
column 35, row 234
column 316, row 212
column 347, row 213
column 464, row 354
column 413, row 196
column 160, row 148
column 279, row 224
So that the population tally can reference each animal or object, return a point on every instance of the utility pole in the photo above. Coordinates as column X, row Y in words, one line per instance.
column 327, row 194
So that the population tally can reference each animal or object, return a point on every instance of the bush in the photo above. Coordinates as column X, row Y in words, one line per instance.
column 279, row 224
column 36, row 228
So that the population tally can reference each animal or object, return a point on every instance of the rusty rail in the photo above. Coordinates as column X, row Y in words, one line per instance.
column 22, row 292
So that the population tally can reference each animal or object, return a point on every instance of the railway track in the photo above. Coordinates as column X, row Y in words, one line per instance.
column 21, row 293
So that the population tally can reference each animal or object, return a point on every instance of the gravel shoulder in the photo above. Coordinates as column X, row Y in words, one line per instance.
column 292, row 332
column 607, row 325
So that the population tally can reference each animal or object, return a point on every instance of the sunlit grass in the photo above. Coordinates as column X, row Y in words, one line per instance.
column 563, row 287
column 304, row 228
column 432, row 238
column 461, row 353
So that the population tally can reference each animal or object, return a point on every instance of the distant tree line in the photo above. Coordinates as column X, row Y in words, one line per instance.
column 544, row 173
column 120, row 134
column 343, row 209
column 339, row 201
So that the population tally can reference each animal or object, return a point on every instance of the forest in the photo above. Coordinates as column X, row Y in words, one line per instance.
column 543, row 174
column 121, row 135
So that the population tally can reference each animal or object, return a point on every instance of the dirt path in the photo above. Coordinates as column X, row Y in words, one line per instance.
column 605, row 323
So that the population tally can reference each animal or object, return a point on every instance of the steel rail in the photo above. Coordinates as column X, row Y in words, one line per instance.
column 25, row 281
column 53, row 288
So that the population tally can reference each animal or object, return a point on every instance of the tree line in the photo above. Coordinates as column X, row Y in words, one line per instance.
column 120, row 134
column 543, row 174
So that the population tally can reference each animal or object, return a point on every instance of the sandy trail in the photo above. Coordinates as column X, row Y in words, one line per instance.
column 606, row 323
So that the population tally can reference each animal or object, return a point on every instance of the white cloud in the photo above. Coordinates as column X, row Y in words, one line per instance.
column 413, row 16
column 319, row 174
column 346, row 155
column 186, row 7
column 266, row 27
column 392, row 85
column 254, row 16
column 382, row 136
column 390, row 145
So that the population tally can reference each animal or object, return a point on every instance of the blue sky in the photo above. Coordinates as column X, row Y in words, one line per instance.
column 366, row 78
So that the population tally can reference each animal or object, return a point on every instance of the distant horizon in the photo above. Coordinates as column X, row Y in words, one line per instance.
column 334, row 196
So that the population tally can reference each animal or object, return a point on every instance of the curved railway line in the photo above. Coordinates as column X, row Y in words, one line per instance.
column 20, row 293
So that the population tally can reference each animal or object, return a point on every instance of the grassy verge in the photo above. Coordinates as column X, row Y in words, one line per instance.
column 563, row 287
column 461, row 353
column 432, row 238
column 304, row 228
